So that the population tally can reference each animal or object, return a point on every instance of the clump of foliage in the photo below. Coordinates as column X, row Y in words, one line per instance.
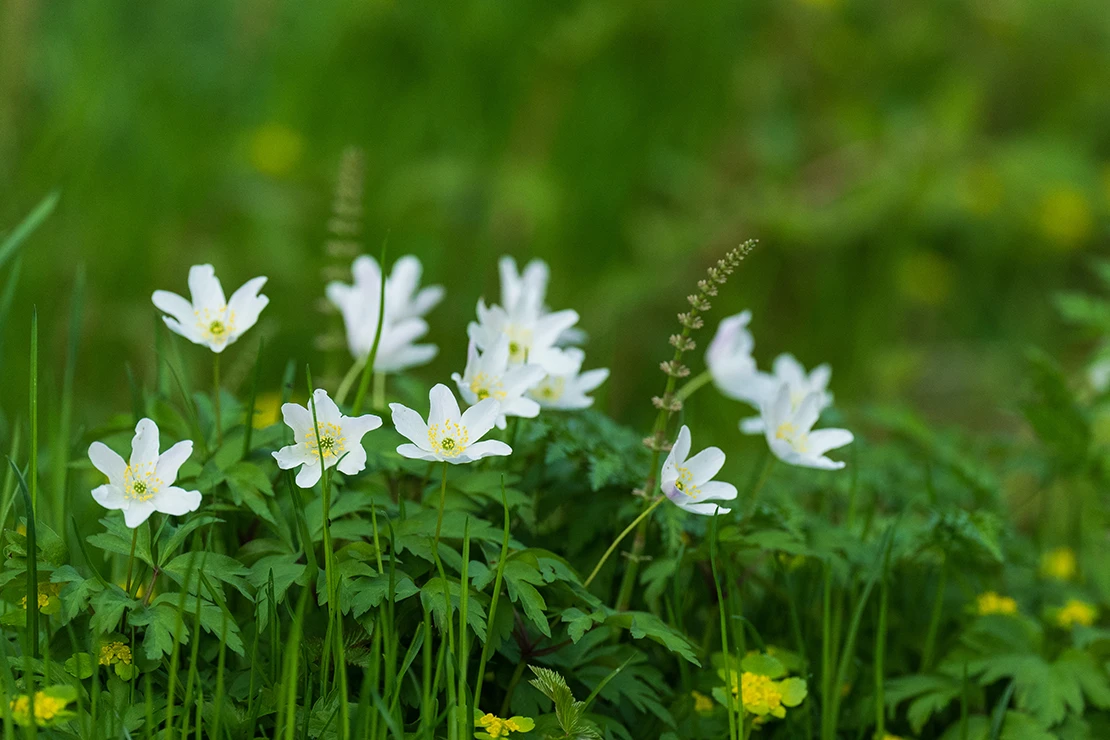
column 944, row 586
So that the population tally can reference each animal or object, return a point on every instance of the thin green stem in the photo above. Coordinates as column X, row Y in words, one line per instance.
column 934, row 619
column 733, row 731
column 442, row 504
column 348, row 381
column 753, row 497
column 693, row 385
column 368, row 367
column 131, row 558
column 216, row 398
column 507, row 702
column 643, row 516
column 378, row 402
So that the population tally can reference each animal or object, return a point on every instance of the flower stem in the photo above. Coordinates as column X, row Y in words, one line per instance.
column 131, row 558
column 378, row 402
column 348, row 381
column 693, row 385
column 764, row 474
column 216, row 398
column 643, row 515
column 368, row 362
column 442, row 503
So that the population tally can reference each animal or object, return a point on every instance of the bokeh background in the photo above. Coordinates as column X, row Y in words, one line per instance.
column 923, row 177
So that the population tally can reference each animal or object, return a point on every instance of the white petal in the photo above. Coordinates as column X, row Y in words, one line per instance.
column 109, row 496
column 107, row 461
column 170, row 461
column 176, row 501
column 823, row 440
column 444, row 407
column 174, row 305
column 752, row 425
column 144, row 446
column 137, row 513
column 326, row 410
column 706, row 509
column 416, row 453
column 205, row 288
column 246, row 305
column 525, row 408
column 298, row 418
column 409, row 424
column 591, row 379
column 356, row 427
column 716, row 490
column 480, row 418
column 184, row 330
column 808, row 411
column 308, row 475
column 549, row 327
column 404, row 358
column 290, row 457
column 427, row 299
column 486, row 448
column 681, row 449
column 353, row 461
column 706, row 464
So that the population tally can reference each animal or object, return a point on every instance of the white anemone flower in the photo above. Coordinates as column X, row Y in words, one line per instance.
column 569, row 390
column 688, row 481
column 787, row 370
column 335, row 437
column 532, row 339
column 405, row 306
column 144, row 484
column 208, row 319
column 730, row 361
column 449, row 436
column 489, row 375
column 790, row 434
column 524, row 296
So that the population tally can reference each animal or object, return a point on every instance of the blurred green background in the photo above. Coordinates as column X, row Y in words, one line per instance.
column 922, row 176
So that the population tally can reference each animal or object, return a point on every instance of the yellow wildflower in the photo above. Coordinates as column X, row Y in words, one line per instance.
column 267, row 410
column 761, row 695
column 991, row 603
column 1076, row 612
column 46, row 708
column 1066, row 218
column 702, row 703
column 1060, row 564
column 47, row 591
column 115, row 652
column 495, row 727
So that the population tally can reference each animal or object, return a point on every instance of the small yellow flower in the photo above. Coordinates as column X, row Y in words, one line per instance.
column 702, row 703
column 46, row 708
column 47, row 592
column 888, row 736
column 495, row 727
column 991, row 603
column 267, row 410
column 1076, row 612
column 1066, row 218
column 761, row 695
column 1060, row 564
column 115, row 652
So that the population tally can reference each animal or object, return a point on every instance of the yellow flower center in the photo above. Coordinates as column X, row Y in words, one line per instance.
column 702, row 703
column 450, row 439
column 790, row 434
column 685, row 483
column 520, row 341
column 551, row 389
column 497, row 727
column 140, row 483
column 1076, row 612
column 483, row 388
column 215, row 325
column 332, row 443
column 1060, row 564
column 115, row 652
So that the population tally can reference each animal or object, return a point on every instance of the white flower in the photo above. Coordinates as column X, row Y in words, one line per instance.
column 404, row 308
column 488, row 375
column 143, row 485
column 449, row 436
column 791, row 372
column 523, row 293
column 531, row 339
column 731, row 364
column 340, row 439
column 689, row 482
column 788, row 429
column 209, row 319
column 568, row 390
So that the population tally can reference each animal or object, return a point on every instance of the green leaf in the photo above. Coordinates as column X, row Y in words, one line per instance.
column 108, row 607
column 80, row 665
column 221, row 567
column 175, row 536
column 643, row 624
column 370, row 592
column 432, row 596
column 117, row 539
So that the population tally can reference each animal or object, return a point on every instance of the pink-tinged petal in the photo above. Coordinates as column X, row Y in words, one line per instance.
column 290, row 457
column 706, row 464
column 205, row 288
column 486, row 448
column 109, row 496
column 176, row 501
column 309, row 475
column 480, row 418
column 409, row 425
column 144, row 446
column 444, row 407
column 706, row 509
column 416, row 453
column 137, row 513
column 107, row 461
column 354, row 461
column 170, row 461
